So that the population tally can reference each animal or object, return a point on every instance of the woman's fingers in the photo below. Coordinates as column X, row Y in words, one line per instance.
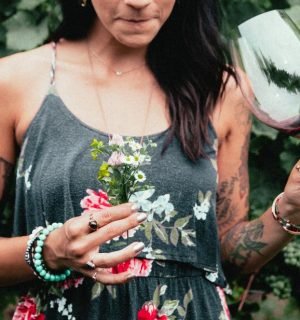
column 105, row 277
column 100, row 263
column 111, row 259
column 113, row 229
column 78, row 226
column 110, row 214
column 70, row 245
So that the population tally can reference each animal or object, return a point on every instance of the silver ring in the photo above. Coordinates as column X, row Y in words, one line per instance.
column 94, row 276
column 90, row 265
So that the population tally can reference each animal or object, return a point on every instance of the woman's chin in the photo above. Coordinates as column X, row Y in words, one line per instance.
column 136, row 41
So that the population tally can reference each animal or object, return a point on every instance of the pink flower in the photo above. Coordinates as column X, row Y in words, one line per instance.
column 223, row 302
column 71, row 283
column 26, row 310
column 95, row 200
column 116, row 159
column 138, row 267
column 150, row 312
column 117, row 140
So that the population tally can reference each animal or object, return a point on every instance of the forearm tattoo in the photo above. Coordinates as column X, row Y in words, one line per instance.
column 242, row 241
column 6, row 173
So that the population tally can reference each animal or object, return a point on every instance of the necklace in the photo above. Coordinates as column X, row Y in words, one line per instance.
column 93, row 74
column 118, row 73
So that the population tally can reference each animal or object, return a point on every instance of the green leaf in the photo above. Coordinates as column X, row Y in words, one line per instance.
column 29, row 4
column 156, row 296
column 288, row 160
column 113, row 291
column 187, row 298
column 97, row 289
column 163, row 290
column 161, row 232
column 148, row 229
column 182, row 222
column 22, row 34
column 260, row 129
column 181, row 311
column 174, row 236
column 185, row 238
column 169, row 307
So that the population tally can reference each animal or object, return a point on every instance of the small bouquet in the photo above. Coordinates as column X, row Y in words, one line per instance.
column 121, row 175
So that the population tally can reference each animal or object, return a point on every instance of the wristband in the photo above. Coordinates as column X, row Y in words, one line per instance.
column 285, row 223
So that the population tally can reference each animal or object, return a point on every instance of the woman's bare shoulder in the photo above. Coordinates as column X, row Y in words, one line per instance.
column 23, row 73
column 16, row 68
column 232, row 107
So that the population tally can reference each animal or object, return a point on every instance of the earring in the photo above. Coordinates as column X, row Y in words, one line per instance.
column 83, row 3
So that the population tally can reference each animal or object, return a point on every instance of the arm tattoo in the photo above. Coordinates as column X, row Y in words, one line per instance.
column 244, row 120
column 242, row 241
column 6, row 170
column 226, row 211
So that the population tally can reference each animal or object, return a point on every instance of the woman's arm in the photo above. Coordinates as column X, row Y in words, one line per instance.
column 72, row 245
column 247, row 245
column 12, row 267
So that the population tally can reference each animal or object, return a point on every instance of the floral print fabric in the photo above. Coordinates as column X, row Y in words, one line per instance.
column 179, row 269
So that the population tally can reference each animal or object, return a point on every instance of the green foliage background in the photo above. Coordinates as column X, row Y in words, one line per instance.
column 25, row 24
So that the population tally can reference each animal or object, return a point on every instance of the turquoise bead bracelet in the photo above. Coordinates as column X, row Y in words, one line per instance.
column 39, row 266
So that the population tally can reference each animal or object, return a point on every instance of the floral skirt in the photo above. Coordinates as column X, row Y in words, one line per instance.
column 171, row 291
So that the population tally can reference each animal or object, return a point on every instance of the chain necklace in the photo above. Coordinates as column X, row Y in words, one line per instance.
column 118, row 73
column 97, row 93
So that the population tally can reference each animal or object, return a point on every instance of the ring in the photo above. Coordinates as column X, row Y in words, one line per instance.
column 90, row 264
column 93, row 224
column 94, row 276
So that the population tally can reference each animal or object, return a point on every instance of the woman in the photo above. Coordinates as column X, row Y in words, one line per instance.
column 147, row 69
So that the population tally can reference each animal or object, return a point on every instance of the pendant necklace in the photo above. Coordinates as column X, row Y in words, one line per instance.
column 93, row 74
column 118, row 73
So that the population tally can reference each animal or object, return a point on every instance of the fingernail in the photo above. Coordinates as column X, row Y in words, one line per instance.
column 141, row 217
column 139, row 246
column 130, row 276
column 134, row 208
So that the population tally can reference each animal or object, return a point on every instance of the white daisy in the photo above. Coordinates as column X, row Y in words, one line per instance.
column 140, row 176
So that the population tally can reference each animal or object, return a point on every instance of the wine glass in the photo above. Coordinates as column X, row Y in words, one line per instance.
column 267, row 50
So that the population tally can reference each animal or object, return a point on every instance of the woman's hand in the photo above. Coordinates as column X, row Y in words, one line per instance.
column 289, row 204
column 75, row 243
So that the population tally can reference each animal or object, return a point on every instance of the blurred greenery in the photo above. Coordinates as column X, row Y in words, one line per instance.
column 25, row 24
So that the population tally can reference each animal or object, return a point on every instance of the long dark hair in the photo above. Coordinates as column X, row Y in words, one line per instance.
column 187, row 58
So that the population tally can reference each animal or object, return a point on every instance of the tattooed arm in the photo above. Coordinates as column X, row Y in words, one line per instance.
column 246, row 245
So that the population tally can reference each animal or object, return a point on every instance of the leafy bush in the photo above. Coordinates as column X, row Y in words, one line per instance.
column 26, row 24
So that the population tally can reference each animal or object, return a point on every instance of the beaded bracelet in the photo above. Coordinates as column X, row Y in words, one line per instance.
column 36, row 257
column 30, row 245
column 285, row 224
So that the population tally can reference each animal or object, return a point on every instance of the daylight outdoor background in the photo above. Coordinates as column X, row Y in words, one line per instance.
column 275, row 293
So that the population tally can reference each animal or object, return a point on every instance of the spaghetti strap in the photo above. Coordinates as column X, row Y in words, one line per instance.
column 53, row 64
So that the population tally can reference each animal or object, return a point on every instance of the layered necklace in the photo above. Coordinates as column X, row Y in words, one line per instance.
column 117, row 73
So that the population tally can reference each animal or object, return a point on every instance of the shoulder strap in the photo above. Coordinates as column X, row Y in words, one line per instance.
column 53, row 64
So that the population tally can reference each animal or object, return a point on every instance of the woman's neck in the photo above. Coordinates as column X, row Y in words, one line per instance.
column 112, row 53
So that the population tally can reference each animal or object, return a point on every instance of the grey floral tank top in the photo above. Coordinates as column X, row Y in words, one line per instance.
column 55, row 170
